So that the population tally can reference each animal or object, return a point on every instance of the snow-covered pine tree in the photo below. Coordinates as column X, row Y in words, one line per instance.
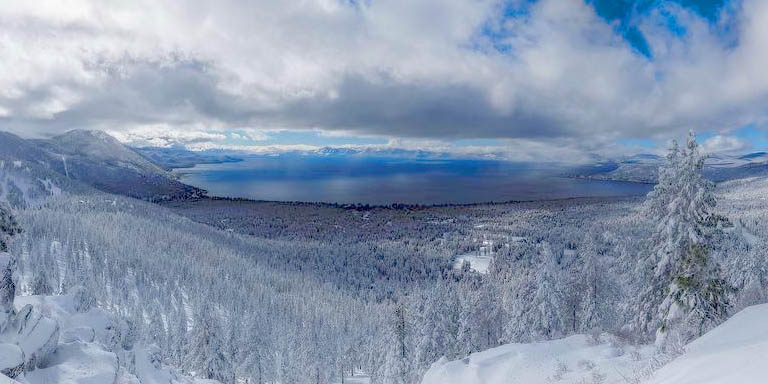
column 470, row 332
column 208, row 350
column 396, row 368
column 177, row 341
column 590, row 311
column 8, row 227
column 41, row 285
column 436, row 327
column 685, row 294
column 7, row 286
column 535, row 307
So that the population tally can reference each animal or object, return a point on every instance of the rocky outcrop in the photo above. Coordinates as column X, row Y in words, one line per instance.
column 83, row 334
column 11, row 360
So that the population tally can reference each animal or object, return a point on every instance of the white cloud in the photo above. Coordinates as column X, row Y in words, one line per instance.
column 257, row 149
column 163, row 135
column 720, row 143
column 179, row 71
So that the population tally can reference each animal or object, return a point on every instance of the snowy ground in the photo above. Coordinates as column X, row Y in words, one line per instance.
column 78, row 355
column 477, row 263
column 574, row 359
column 735, row 352
column 357, row 379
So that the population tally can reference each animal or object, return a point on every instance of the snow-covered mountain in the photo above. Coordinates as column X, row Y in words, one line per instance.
column 643, row 168
column 96, row 159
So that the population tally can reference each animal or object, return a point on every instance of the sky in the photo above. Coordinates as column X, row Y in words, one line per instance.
column 559, row 79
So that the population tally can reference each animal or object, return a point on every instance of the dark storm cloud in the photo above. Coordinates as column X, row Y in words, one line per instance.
column 417, row 110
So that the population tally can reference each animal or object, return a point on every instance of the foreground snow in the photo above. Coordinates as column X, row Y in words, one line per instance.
column 574, row 359
column 51, row 342
column 735, row 352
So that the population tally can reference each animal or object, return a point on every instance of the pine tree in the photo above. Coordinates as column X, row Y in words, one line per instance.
column 41, row 285
column 8, row 227
column 208, row 351
column 685, row 294
column 468, row 339
column 536, row 307
column 591, row 288
column 437, row 327
column 396, row 368
column 7, row 286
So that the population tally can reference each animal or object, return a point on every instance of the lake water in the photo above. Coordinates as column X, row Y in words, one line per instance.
column 387, row 181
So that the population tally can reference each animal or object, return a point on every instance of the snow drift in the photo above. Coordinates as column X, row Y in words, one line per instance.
column 734, row 352
column 45, row 339
column 578, row 358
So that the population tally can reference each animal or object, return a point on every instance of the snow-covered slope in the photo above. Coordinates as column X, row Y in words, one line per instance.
column 575, row 359
column 53, row 339
column 644, row 168
column 734, row 352
column 71, row 347
column 91, row 158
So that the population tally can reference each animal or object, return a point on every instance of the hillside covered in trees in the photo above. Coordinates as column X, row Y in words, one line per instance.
column 239, row 291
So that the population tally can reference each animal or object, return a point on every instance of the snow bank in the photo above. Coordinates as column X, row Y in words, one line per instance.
column 150, row 369
column 76, row 363
column 571, row 360
column 66, row 343
column 6, row 380
column 734, row 352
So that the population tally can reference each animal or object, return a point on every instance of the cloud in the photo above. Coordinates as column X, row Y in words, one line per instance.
column 554, row 76
column 162, row 135
column 720, row 143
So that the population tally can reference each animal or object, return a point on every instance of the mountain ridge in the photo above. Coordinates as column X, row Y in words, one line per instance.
column 96, row 159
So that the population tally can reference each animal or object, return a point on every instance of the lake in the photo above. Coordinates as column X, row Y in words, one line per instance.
column 390, row 180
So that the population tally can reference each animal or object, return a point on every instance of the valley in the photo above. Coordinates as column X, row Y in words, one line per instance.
column 264, row 277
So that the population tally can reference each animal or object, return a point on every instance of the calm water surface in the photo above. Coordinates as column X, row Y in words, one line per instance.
column 386, row 181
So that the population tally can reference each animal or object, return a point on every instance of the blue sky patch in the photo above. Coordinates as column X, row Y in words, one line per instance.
column 627, row 13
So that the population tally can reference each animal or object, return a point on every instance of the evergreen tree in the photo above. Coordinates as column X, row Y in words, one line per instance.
column 7, row 286
column 208, row 351
column 591, row 291
column 8, row 227
column 469, row 338
column 396, row 368
column 536, row 307
column 685, row 293
column 437, row 327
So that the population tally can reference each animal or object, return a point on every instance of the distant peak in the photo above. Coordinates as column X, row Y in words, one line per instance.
column 753, row 155
column 87, row 132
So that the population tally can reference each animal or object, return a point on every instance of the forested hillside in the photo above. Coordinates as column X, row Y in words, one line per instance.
column 306, row 293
